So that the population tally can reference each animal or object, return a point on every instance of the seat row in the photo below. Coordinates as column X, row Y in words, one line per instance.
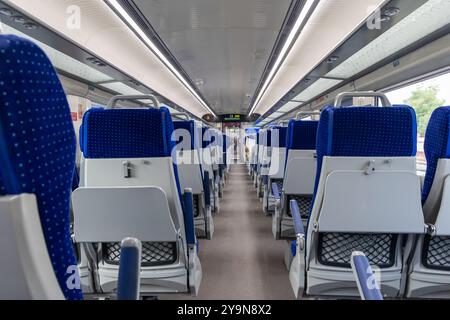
column 143, row 177
column 350, row 181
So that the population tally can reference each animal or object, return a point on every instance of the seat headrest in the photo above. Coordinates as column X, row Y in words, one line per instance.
column 437, row 145
column 190, row 127
column 281, row 134
column 127, row 133
column 301, row 135
column 266, row 138
column 207, row 137
column 37, row 146
column 367, row 132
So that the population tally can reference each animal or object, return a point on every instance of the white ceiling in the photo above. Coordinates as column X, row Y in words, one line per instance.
column 224, row 44
column 107, row 36
column 332, row 22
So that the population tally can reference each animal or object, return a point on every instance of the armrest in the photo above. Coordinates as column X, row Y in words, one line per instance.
column 365, row 277
column 276, row 192
column 129, row 270
column 206, row 188
column 188, row 200
column 298, row 223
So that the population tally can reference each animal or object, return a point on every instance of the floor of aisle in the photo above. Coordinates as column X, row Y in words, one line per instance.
column 243, row 261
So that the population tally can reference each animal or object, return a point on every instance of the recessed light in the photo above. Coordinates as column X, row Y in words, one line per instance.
column 199, row 83
column 30, row 26
column 332, row 59
column 19, row 19
column 391, row 11
column 96, row 62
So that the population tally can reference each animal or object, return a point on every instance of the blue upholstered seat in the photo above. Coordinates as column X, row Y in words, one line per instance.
column 301, row 135
column 128, row 133
column 190, row 127
column 437, row 145
column 282, row 134
column 37, row 142
column 366, row 132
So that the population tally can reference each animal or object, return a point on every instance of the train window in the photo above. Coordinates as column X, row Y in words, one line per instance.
column 424, row 96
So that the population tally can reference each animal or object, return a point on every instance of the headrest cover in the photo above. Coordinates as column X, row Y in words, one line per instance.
column 127, row 133
column 301, row 135
column 437, row 145
column 190, row 127
column 37, row 146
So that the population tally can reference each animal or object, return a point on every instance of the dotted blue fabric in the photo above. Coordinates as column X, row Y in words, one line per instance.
column 366, row 132
column 188, row 126
column 127, row 133
column 37, row 139
column 437, row 145
column 301, row 135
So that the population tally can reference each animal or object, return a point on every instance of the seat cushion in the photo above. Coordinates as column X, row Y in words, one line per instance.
column 437, row 145
column 38, row 141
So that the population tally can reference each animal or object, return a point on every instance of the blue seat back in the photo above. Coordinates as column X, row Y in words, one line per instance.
column 366, row 132
column 37, row 142
column 301, row 135
column 128, row 133
column 437, row 145
column 282, row 135
column 190, row 127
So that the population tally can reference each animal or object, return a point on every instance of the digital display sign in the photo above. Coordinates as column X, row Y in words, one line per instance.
column 232, row 118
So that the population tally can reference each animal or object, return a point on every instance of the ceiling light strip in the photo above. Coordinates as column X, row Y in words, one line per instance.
column 305, row 13
column 129, row 20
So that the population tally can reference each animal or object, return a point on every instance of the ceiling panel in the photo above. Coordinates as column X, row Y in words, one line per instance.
column 223, row 45
column 62, row 61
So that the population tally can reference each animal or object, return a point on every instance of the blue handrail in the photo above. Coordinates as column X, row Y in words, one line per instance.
column 276, row 191
column 298, row 223
column 365, row 277
column 129, row 270
column 206, row 188
column 189, row 216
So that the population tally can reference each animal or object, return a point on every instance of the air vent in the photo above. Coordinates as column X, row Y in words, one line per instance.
column 96, row 62
column 134, row 82
column 18, row 18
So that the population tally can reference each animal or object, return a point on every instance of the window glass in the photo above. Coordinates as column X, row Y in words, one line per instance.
column 424, row 97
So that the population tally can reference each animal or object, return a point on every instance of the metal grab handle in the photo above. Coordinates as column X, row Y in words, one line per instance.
column 384, row 99
column 307, row 113
column 179, row 114
column 113, row 102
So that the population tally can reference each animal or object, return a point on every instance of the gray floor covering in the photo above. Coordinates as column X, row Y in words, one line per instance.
column 243, row 261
